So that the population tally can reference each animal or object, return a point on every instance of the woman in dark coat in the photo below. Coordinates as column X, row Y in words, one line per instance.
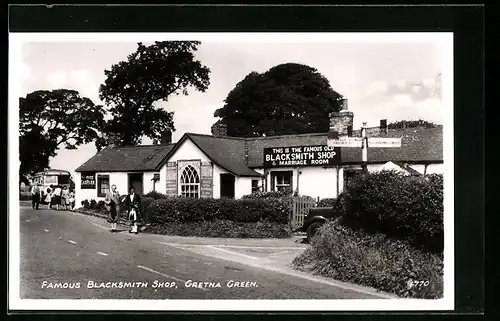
column 133, row 206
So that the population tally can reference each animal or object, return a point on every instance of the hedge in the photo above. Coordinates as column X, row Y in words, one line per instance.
column 206, row 217
column 327, row 202
column 399, row 206
column 274, row 194
column 185, row 210
column 223, row 228
column 374, row 260
column 156, row 195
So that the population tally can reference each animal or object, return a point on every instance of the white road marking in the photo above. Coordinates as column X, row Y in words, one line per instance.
column 46, row 230
column 72, row 242
column 165, row 275
column 101, row 253
column 231, row 252
column 27, row 221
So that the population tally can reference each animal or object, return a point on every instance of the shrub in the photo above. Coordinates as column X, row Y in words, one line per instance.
column 86, row 204
column 146, row 201
column 399, row 206
column 372, row 260
column 277, row 194
column 100, row 206
column 206, row 209
column 155, row 195
column 93, row 204
column 327, row 202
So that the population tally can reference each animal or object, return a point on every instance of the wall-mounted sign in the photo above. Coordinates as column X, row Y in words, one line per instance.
column 206, row 181
column 319, row 155
column 88, row 180
column 171, row 179
column 345, row 142
column 384, row 142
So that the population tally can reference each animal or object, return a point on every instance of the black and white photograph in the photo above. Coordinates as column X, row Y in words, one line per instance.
column 231, row 171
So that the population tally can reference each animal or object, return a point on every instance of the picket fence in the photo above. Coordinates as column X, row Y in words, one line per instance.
column 300, row 208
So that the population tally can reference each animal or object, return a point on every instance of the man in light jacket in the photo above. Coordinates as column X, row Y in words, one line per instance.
column 112, row 202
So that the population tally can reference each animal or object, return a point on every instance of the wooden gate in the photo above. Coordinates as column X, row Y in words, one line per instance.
column 300, row 208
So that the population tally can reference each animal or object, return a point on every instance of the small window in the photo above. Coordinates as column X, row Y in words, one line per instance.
column 255, row 185
column 102, row 185
column 281, row 180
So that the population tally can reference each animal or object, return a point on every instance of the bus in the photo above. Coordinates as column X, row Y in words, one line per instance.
column 53, row 177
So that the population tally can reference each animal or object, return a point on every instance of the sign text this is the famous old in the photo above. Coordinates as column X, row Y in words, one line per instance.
column 320, row 155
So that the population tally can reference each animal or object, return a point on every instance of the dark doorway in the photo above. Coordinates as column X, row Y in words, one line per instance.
column 227, row 185
column 135, row 180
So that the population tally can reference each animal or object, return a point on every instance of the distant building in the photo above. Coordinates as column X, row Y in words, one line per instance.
column 220, row 166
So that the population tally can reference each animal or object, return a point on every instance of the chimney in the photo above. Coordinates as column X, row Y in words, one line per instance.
column 219, row 129
column 166, row 137
column 383, row 126
column 342, row 121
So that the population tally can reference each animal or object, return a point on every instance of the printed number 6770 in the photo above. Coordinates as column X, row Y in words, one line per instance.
column 418, row 283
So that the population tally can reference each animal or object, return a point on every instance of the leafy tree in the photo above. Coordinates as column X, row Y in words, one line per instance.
column 411, row 124
column 49, row 120
column 150, row 74
column 287, row 99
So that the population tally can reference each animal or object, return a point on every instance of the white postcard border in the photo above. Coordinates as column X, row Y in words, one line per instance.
column 15, row 64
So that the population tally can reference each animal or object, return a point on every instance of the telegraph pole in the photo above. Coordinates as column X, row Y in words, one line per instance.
column 364, row 147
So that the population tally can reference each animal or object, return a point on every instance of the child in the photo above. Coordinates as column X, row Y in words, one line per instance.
column 133, row 203
column 48, row 197
column 65, row 197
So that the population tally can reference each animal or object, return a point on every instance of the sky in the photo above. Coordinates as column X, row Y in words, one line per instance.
column 393, row 81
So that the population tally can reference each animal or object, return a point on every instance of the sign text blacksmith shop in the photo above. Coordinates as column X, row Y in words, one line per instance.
column 301, row 156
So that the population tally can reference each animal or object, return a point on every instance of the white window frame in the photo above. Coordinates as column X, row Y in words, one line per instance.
column 193, row 185
column 278, row 186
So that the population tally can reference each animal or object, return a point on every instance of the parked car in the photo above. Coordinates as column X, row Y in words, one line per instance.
column 316, row 217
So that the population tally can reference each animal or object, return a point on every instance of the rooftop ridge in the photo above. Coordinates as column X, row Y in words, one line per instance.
column 139, row 146
column 210, row 135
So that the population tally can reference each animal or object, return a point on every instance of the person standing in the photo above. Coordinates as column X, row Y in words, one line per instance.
column 35, row 196
column 57, row 196
column 65, row 197
column 48, row 197
column 133, row 203
column 112, row 204
column 71, row 200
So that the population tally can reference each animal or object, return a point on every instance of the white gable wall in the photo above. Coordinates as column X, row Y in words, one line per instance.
column 189, row 151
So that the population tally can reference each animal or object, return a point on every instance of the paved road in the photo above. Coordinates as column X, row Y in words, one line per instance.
column 63, row 249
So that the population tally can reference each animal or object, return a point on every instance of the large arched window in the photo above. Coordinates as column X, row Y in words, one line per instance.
column 190, row 182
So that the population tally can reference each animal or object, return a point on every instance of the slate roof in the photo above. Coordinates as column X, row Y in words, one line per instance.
column 240, row 155
column 227, row 152
column 127, row 159
column 417, row 145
